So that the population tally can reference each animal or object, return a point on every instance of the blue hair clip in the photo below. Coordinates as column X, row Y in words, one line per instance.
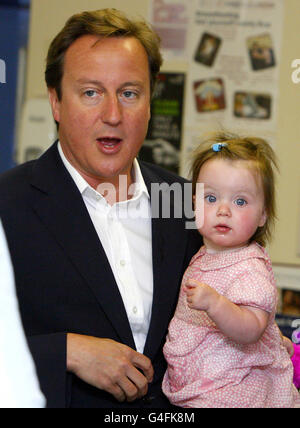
column 217, row 147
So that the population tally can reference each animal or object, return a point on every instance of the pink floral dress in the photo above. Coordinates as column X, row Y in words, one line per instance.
column 206, row 368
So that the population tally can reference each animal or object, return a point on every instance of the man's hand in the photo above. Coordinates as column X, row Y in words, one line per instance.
column 109, row 365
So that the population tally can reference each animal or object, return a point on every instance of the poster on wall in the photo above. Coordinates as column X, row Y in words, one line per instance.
column 163, row 141
column 170, row 19
column 233, row 69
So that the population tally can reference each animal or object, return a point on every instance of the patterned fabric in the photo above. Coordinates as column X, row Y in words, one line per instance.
column 206, row 368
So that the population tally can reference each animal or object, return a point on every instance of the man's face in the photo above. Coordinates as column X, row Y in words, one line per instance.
column 104, row 111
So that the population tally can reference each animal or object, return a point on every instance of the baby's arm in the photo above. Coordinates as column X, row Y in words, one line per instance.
column 243, row 324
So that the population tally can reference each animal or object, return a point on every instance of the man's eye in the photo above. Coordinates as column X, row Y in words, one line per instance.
column 240, row 202
column 210, row 198
column 129, row 94
column 90, row 93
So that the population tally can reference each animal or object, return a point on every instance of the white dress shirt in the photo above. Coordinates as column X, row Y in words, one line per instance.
column 124, row 230
column 19, row 386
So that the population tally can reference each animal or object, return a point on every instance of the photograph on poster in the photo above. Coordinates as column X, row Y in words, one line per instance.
column 161, row 152
column 209, row 95
column 290, row 302
column 251, row 105
column 170, row 21
column 163, row 141
column 261, row 52
column 207, row 49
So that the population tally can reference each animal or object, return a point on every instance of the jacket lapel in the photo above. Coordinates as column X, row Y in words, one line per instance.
column 59, row 205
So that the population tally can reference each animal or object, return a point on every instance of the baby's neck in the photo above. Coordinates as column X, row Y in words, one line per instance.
column 224, row 250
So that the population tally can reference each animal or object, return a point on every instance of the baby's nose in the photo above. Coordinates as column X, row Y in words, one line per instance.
column 224, row 209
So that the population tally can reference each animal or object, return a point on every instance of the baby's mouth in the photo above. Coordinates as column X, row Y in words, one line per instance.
column 222, row 228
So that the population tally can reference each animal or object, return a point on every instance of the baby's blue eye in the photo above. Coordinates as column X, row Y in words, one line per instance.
column 211, row 198
column 240, row 202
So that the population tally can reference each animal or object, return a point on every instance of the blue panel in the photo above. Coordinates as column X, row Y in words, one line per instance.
column 13, row 34
column 15, row 3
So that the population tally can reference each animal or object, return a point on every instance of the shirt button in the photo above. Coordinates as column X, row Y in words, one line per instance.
column 122, row 262
column 134, row 309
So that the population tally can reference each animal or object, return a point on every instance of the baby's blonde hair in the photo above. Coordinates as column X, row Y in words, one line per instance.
column 252, row 149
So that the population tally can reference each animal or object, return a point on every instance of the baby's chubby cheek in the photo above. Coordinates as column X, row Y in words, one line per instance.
column 202, row 217
column 247, row 224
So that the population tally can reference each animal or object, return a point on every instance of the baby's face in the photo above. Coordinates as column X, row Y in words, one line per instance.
column 233, row 204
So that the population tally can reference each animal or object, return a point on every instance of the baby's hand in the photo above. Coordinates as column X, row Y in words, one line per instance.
column 200, row 295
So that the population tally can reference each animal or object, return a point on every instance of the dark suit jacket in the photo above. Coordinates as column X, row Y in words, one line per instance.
column 65, row 283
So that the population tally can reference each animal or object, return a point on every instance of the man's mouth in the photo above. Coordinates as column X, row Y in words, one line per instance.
column 109, row 144
column 109, row 141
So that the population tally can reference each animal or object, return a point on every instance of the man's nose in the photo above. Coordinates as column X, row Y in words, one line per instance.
column 111, row 110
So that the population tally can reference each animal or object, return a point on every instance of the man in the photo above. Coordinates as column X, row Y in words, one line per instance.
column 96, row 289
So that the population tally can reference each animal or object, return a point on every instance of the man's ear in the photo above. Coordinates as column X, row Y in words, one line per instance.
column 55, row 104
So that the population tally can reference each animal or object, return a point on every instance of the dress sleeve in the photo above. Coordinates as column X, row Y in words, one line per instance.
column 254, row 286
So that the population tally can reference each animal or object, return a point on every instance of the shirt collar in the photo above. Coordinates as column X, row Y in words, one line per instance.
column 207, row 261
column 139, row 189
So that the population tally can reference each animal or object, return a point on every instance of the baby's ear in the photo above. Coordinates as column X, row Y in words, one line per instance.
column 263, row 218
